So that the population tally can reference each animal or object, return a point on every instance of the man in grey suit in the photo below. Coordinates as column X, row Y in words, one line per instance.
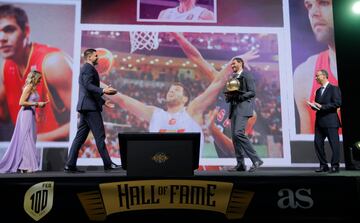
column 90, row 107
column 241, row 109
column 327, row 123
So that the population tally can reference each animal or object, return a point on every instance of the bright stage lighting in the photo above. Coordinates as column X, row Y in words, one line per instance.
column 357, row 145
column 356, row 7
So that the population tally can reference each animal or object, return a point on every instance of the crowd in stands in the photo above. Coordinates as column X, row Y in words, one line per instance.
column 240, row 42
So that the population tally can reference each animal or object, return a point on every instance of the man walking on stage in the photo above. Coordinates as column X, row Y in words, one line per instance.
column 241, row 109
column 90, row 107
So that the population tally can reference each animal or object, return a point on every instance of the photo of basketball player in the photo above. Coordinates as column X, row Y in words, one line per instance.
column 244, row 13
column 189, row 11
column 317, row 32
column 150, row 98
column 25, row 47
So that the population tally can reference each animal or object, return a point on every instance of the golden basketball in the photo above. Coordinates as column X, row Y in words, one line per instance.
column 233, row 85
column 105, row 61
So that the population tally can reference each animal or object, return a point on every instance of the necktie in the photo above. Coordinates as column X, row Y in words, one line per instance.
column 322, row 90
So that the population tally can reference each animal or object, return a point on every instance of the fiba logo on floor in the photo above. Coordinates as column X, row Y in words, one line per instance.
column 38, row 199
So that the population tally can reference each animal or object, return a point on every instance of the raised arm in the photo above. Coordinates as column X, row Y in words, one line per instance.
column 137, row 108
column 247, row 56
column 205, row 67
column 209, row 96
column 194, row 56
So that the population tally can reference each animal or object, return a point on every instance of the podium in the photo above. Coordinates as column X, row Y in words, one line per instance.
column 159, row 154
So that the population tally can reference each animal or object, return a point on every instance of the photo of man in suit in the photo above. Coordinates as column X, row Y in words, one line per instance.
column 327, row 122
column 90, row 107
column 241, row 109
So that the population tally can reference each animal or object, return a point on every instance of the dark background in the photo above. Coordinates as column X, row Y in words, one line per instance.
column 347, row 40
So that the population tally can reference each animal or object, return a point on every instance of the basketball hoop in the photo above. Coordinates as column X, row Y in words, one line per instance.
column 143, row 40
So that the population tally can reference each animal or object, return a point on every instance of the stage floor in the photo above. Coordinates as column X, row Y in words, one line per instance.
column 96, row 171
column 267, row 195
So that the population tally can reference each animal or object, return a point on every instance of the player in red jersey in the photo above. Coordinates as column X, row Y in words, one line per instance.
column 321, row 21
column 18, row 57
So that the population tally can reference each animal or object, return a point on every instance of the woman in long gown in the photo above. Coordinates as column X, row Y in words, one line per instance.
column 21, row 155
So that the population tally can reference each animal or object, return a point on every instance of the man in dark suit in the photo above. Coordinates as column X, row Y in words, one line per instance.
column 241, row 109
column 327, row 123
column 90, row 107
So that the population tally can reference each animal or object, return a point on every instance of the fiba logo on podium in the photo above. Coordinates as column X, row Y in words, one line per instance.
column 38, row 199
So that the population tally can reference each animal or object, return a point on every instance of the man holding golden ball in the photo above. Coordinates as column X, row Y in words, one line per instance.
column 240, row 94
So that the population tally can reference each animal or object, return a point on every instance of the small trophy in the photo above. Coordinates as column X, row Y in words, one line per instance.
column 232, row 89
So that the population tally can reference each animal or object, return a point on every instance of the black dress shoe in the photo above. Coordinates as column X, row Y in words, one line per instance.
column 238, row 167
column 256, row 165
column 334, row 169
column 322, row 169
column 72, row 169
column 112, row 166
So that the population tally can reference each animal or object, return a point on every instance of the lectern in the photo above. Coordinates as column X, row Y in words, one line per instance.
column 159, row 154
